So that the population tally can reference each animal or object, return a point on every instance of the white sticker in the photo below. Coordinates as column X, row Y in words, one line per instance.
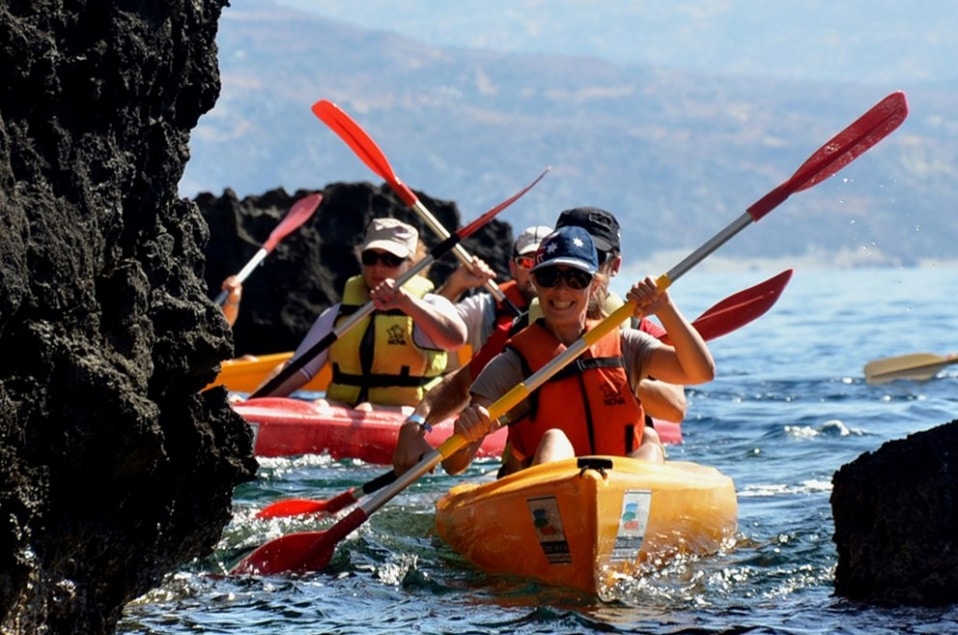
column 633, row 523
column 548, row 525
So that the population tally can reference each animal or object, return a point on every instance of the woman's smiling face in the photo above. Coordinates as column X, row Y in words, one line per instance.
column 561, row 302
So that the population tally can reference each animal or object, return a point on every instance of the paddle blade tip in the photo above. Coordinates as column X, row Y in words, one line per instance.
column 292, row 553
column 309, row 202
column 292, row 507
column 323, row 106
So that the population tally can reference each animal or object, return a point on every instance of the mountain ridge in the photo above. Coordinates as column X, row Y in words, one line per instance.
column 676, row 155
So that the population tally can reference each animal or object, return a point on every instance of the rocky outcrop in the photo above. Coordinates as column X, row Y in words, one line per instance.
column 114, row 468
column 307, row 270
column 896, row 521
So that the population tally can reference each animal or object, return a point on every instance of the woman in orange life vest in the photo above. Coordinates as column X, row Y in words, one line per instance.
column 451, row 395
column 391, row 356
column 590, row 406
column 488, row 322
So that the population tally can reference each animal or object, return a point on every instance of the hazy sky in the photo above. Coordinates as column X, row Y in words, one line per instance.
column 872, row 41
column 889, row 46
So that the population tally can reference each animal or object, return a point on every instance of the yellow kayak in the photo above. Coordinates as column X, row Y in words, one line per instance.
column 586, row 522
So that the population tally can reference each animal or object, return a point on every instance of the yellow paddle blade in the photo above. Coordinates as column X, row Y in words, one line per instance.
column 916, row 366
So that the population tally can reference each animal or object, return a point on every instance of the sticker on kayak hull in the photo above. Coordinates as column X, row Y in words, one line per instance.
column 548, row 525
column 633, row 523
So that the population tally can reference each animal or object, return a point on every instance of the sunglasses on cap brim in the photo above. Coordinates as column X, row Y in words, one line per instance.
column 548, row 277
column 371, row 257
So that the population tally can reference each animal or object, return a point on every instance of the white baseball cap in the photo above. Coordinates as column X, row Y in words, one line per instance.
column 528, row 241
column 392, row 235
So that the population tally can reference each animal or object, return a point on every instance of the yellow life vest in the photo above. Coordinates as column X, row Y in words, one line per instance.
column 377, row 360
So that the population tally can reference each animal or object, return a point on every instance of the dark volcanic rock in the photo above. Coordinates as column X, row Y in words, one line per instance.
column 896, row 521
column 114, row 469
column 307, row 270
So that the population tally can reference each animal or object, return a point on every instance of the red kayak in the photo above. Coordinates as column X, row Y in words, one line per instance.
column 284, row 426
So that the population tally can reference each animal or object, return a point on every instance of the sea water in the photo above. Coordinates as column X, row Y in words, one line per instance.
column 788, row 408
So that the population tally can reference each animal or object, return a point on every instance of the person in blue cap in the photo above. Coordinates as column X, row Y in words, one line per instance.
column 590, row 407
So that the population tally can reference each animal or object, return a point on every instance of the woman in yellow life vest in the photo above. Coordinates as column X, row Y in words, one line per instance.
column 589, row 407
column 391, row 356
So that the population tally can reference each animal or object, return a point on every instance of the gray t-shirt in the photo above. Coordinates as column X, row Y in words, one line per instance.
column 478, row 311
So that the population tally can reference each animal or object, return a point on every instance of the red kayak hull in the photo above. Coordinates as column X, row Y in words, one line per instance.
column 287, row 427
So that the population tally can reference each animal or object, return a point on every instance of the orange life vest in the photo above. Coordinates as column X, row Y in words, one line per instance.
column 590, row 400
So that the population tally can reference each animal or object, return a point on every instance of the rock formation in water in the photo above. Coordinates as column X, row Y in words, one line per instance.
column 307, row 270
column 114, row 468
column 896, row 521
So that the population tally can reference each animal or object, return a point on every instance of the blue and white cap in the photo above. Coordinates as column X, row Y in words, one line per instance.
column 571, row 246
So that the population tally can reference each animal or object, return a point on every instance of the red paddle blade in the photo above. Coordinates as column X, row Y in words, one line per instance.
column 296, row 506
column 292, row 507
column 876, row 124
column 298, row 214
column 303, row 551
column 863, row 133
column 363, row 146
column 739, row 309
column 287, row 553
column 471, row 228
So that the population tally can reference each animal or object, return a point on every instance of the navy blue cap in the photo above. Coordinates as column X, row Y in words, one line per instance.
column 601, row 225
column 571, row 246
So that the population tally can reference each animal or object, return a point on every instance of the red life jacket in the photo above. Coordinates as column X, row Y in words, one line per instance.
column 590, row 400
column 501, row 330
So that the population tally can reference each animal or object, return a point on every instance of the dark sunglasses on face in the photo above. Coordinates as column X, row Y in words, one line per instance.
column 525, row 262
column 575, row 278
column 371, row 257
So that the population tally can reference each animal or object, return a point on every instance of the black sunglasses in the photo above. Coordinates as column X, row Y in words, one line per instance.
column 549, row 277
column 370, row 257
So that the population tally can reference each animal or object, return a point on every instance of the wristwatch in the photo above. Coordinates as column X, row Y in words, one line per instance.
column 420, row 421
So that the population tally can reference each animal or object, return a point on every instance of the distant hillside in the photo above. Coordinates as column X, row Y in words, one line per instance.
column 868, row 41
column 676, row 156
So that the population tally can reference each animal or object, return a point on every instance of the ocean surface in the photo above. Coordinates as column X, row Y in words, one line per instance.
column 788, row 408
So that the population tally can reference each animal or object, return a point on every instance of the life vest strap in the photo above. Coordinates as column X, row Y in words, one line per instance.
column 374, row 380
column 580, row 364
column 349, row 309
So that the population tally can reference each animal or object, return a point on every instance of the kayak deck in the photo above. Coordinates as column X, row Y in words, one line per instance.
column 583, row 523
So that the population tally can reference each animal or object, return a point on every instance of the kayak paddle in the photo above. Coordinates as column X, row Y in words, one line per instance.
column 739, row 309
column 370, row 154
column 313, row 550
column 437, row 252
column 299, row 506
column 298, row 214
column 724, row 317
column 916, row 366
column 876, row 124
